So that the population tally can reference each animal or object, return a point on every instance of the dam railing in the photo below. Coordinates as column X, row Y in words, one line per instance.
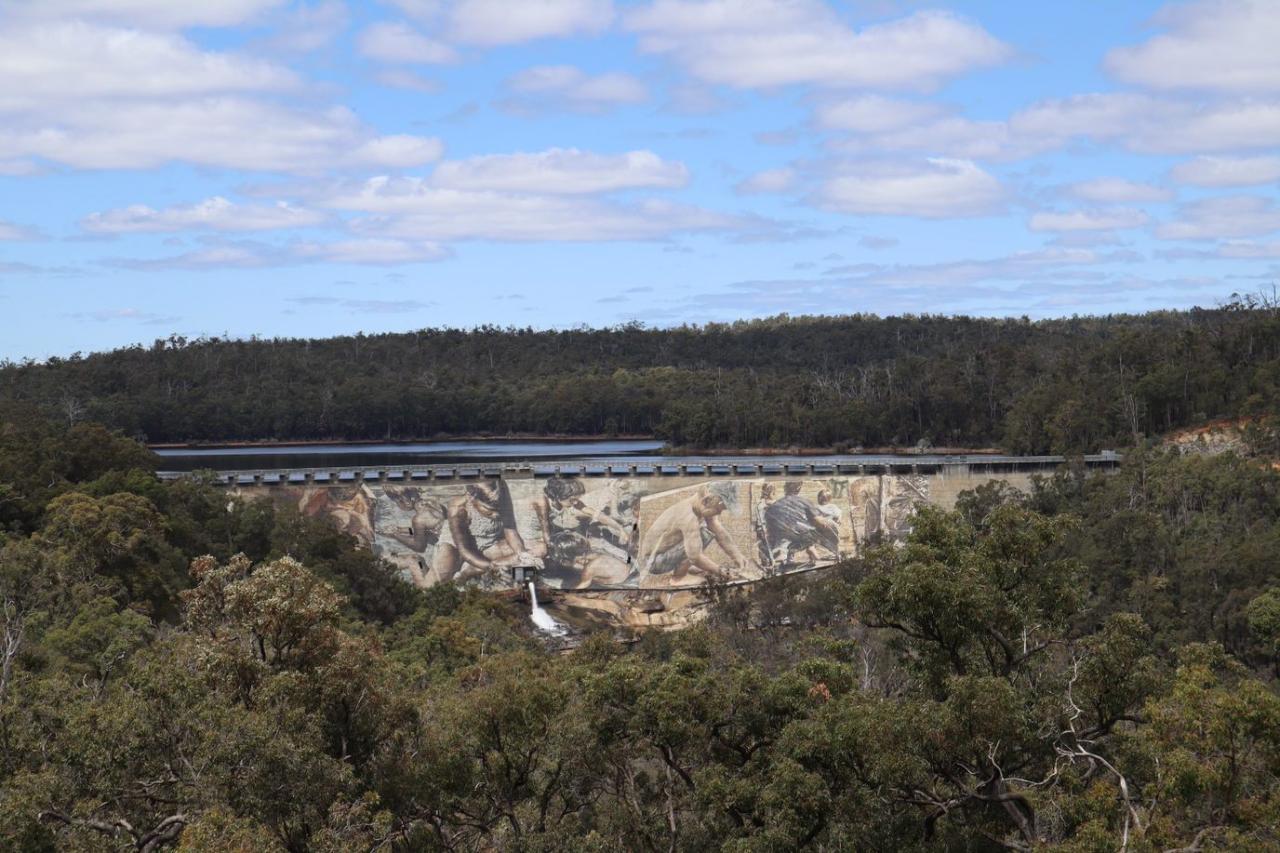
column 683, row 466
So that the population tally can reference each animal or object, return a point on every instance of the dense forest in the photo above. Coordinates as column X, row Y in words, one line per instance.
column 1091, row 666
column 1068, row 385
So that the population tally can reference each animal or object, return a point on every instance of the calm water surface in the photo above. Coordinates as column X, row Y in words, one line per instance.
column 424, row 453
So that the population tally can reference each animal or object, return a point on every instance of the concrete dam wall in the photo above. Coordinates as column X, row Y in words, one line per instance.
column 631, row 550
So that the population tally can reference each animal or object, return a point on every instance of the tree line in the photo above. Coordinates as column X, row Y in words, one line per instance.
column 1088, row 666
column 1070, row 385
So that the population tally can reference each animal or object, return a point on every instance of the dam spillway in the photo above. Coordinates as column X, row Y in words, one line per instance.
column 631, row 540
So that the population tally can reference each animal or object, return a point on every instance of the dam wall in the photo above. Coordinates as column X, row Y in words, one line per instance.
column 634, row 550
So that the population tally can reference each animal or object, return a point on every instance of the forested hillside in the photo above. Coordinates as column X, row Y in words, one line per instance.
column 1088, row 667
column 1063, row 385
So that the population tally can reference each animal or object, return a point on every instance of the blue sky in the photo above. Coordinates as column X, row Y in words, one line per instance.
column 275, row 167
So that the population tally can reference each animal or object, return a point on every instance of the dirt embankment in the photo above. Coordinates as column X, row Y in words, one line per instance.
column 1211, row 438
column 1220, row 436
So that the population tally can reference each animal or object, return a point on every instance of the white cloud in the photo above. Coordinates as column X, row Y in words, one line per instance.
column 1018, row 283
column 1223, row 217
column 215, row 213
column 769, row 43
column 934, row 188
column 567, row 86
column 248, row 254
column 307, row 28
column 226, row 132
column 1227, row 171
column 1088, row 220
column 951, row 136
column 11, row 232
column 1142, row 123
column 372, row 251
column 403, row 78
column 392, row 41
column 769, row 181
column 495, row 22
column 413, row 209
column 1269, row 250
column 1118, row 190
column 148, row 14
column 561, row 171
column 91, row 96
column 46, row 65
column 1152, row 125
column 1213, row 45
column 875, row 114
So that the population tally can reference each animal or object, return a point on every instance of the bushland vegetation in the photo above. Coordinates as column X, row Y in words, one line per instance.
column 1090, row 666
column 1069, row 386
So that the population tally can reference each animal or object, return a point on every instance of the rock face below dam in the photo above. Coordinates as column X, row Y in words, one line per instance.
column 628, row 550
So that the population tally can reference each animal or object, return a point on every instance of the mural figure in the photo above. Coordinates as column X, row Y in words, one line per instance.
column 480, row 537
column 900, row 496
column 864, row 499
column 760, row 525
column 675, row 545
column 796, row 525
column 350, row 508
column 407, row 526
column 590, row 534
column 585, row 537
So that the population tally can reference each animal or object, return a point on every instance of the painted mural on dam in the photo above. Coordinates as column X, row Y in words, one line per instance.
column 616, row 533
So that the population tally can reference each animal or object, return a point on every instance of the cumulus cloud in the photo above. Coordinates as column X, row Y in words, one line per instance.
column 875, row 114
column 74, row 61
column 414, row 209
column 1118, row 191
column 225, row 132
column 503, row 22
column 497, row 22
column 564, row 86
column 147, row 14
column 403, row 78
column 217, row 214
column 770, row 43
column 1152, row 125
column 393, row 41
column 1088, row 220
column 1213, row 45
column 768, row 181
column 561, row 171
column 1227, row 171
column 99, row 97
column 1140, row 122
column 308, row 27
column 876, row 123
column 1222, row 217
column 934, row 188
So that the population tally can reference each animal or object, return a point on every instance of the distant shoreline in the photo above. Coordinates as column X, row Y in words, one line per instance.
column 575, row 439
column 316, row 442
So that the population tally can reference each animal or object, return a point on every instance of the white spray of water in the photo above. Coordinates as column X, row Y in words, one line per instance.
column 542, row 618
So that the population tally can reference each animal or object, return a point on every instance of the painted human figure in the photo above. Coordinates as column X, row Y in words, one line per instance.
column 768, row 494
column 675, row 545
column 479, row 535
column 828, row 509
column 581, row 534
column 407, row 527
column 795, row 525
